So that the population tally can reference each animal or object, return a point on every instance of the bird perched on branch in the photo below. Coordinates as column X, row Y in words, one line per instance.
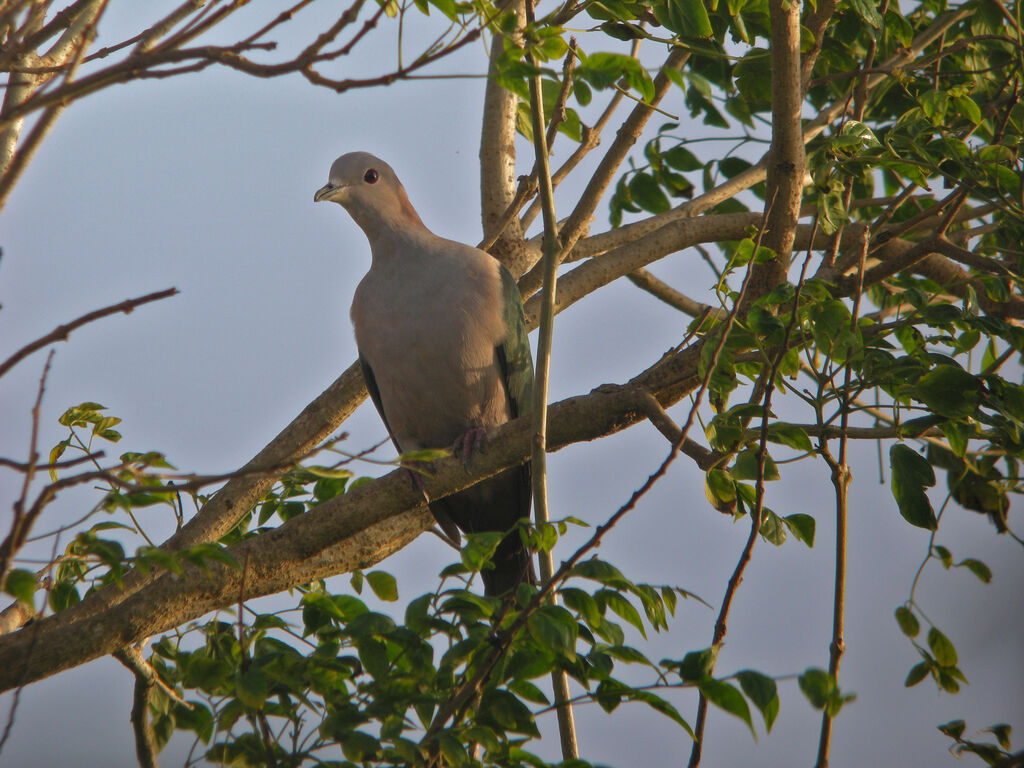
column 444, row 352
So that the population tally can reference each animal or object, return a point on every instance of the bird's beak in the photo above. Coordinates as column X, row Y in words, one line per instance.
column 328, row 192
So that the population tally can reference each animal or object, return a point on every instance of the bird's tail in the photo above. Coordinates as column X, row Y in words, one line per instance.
column 512, row 565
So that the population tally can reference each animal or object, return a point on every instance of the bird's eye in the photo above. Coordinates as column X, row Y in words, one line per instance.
column 371, row 176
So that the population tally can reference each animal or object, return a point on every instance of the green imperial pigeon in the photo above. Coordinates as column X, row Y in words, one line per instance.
column 443, row 347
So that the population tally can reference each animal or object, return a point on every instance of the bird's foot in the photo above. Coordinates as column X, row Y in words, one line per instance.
column 414, row 472
column 468, row 442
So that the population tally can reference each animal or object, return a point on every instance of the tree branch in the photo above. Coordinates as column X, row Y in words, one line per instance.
column 351, row 531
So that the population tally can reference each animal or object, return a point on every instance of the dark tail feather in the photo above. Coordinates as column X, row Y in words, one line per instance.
column 512, row 565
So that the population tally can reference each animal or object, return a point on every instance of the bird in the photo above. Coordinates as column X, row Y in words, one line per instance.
column 444, row 351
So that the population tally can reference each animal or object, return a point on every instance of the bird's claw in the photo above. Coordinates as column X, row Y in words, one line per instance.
column 414, row 471
column 468, row 442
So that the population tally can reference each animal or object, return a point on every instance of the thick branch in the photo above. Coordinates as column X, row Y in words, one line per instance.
column 786, row 155
column 350, row 531
column 498, row 168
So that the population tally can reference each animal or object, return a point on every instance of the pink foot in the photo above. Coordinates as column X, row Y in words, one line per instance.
column 469, row 441
column 414, row 471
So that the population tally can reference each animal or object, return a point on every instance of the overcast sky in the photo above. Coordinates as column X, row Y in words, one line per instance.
column 205, row 183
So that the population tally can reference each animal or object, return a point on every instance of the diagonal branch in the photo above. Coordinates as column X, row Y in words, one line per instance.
column 350, row 531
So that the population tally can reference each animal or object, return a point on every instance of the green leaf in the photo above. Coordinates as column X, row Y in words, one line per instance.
column 761, row 690
column 251, row 688
column 791, row 436
column 1002, row 733
column 949, row 391
column 63, row 595
column 772, row 529
column 817, row 685
column 479, row 549
column 907, row 621
column 976, row 567
column 801, row 526
column 694, row 18
column 623, row 608
column 660, row 705
column 20, row 584
column 954, row 729
column 647, row 194
column 697, row 665
column 868, row 11
column 911, row 474
column 507, row 712
column 726, row 697
column 598, row 570
column 942, row 648
column 527, row 690
column 358, row 746
column 917, row 673
column 585, row 605
column 383, row 585
column 682, row 159
column 746, row 468
column 720, row 488
column 553, row 628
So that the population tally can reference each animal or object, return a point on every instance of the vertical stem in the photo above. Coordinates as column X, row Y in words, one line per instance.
column 841, row 483
column 559, row 680
column 498, row 164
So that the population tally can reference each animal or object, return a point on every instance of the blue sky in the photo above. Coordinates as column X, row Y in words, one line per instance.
column 205, row 183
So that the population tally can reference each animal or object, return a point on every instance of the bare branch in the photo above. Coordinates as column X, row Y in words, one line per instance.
column 61, row 332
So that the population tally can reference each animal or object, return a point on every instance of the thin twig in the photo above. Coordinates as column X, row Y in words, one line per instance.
column 538, row 462
column 61, row 332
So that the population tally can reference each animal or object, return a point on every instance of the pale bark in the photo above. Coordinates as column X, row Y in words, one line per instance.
column 354, row 530
column 498, row 170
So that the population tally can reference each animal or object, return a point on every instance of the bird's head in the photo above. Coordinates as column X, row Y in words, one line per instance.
column 370, row 191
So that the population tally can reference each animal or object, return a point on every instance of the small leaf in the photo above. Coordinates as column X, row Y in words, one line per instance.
column 917, row 673
column 1002, row 733
column 942, row 648
column 954, row 729
column 976, row 567
column 726, row 697
column 790, row 436
column 949, row 391
column 694, row 17
column 647, row 194
column 553, row 628
column 746, row 468
column 802, row 527
column 682, row 159
column 20, row 584
column 506, row 711
column 911, row 474
column 761, row 690
column 909, row 625
column 621, row 606
column 383, row 585
column 818, row 686
column 251, row 688
column 697, row 665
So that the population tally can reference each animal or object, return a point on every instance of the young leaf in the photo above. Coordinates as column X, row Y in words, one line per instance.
column 942, row 648
column 761, row 690
column 976, row 567
column 723, row 695
column 911, row 474
column 909, row 625
column 383, row 585
column 20, row 584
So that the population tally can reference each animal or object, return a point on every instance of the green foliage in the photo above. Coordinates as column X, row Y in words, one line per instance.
column 999, row 752
column 927, row 148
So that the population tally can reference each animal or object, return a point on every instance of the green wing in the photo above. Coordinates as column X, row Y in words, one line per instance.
column 514, row 352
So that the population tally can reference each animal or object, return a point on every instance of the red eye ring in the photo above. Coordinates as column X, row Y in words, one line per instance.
column 371, row 176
